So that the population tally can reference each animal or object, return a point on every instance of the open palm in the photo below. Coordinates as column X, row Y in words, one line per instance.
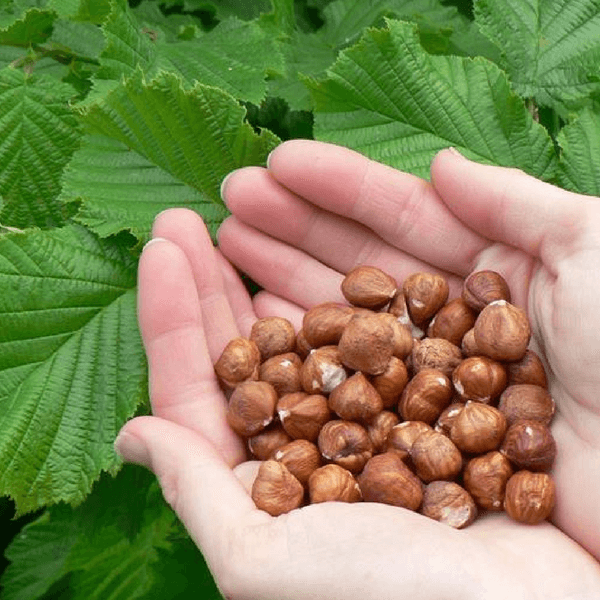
column 316, row 212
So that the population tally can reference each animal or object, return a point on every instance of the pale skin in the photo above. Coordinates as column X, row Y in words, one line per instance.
column 299, row 225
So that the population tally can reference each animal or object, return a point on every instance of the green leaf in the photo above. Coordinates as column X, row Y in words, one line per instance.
column 579, row 167
column 79, row 38
column 38, row 135
column 72, row 367
column 551, row 48
column 33, row 27
column 91, row 11
column 158, row 133
column 392, row 101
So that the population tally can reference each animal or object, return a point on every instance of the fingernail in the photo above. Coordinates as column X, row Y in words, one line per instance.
column 224, row 184
column 131, row 449
column 269, row 159
column 153, row 241
column 455, row 151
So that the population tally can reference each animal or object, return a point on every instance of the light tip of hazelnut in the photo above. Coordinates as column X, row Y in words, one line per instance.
column 498, row 303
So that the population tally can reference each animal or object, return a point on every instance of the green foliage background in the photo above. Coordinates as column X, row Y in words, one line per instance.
column 112, row 111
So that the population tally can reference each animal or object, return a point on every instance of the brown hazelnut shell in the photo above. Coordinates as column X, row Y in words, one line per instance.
column 302, row 415
column 482, row 287
column 529, row 445
column 332, row 483
column 526, row 401
column 368, row 287
column 251, row 407
column 478, row 428
column 425, row 294
column 435, row 456
column 346, row 443
column 355, row 399
column 273, row 335
column 448, row 503
column 275, row 490
column 530, row 497
column 485, row 478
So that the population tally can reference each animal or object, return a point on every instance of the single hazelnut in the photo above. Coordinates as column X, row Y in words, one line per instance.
column 530, row 497
column 452, row 321
column 332, row 483
column 387, row 479
column 478, row 428
column 282, row 371
column 301, row 457
column 238, row 362
column 435, row 353
column 502, row 331
column 266, row 442
column 402, row 436
column 435, row 456
column 468, row 345
column 448, row 503
column 368, row 287
column 398, row 308
column 529, row 369
column 483, row 287
column 302, row 348
column 251, row 407
column 479, row 378
column 273, row 335
column 391, row 382
column 402, row 339
column 323, row 324
column 355, row 399
column 446, row 419
column 527, row 401
column 302, row 415
column 322, row 370
column 346, row 443
column 425, row 396
column 275, row 490
column 529, row 445
column 425, row 294
column 366, row 344
column 485, row 478
column 380, row 428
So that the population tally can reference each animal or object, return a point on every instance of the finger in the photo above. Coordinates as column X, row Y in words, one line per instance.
column 509, row 206
column 183, row 385
column 403, row 210
column 186, row 229
column 267, row 304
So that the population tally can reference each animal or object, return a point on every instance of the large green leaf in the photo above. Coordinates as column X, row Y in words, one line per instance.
column 579, row 168
column 72, row 367
column 389, row 99
column 38, row 135
column 551, row 48
column 157, row 133
column 23, row 28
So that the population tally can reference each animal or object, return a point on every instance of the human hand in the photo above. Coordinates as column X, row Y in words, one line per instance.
column 297, row 227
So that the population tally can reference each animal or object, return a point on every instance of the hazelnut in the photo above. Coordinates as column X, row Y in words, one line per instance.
column 527, row 370
column 273, row 335
column 302, row 415
column 355, row 399
column 448, row 503
column 301, row 457
column 478, row 428
column 425, row 294
column 332, row 483
column 402, row 436
column 479, row 378
column 483, row 287
column 251, row 407
column 275, row 490
column 529, row 445
column 502, row 331
column 485, row 478
column 446, row 419
column 323, row 324
column 452, row 321
column 391, row 382
column 282, row 371
column 366, row 344
column 387, row 479
column 435, row 456
column 263, row 444
column 530, row 497
column 322, row 370
column 435, row 353
column 238, row 362
column 380, row 428
column 398, row 308
column 302, row 347
column 368, row 287
column 526, row 401
column 402, row 339
column 425, row 396
column 345, row 443
column 468, row 345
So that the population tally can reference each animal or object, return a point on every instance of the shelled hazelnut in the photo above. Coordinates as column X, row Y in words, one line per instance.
column 360, row 405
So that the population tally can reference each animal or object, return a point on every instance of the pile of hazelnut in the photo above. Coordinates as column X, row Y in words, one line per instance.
column 400, row 397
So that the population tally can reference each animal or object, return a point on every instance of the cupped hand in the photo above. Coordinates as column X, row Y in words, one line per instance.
column 317, row 211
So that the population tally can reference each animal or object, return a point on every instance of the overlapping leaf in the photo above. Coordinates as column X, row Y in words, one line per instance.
column 72, row 367
column 551, row 48
column 389, row 99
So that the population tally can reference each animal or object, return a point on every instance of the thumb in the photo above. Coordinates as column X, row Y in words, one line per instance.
column 507, row 205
